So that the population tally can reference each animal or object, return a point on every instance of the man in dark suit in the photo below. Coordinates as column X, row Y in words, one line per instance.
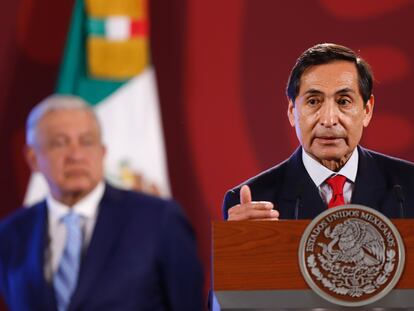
column 330, row 103
column 90, row 246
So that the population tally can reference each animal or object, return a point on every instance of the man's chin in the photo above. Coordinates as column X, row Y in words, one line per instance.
column 329, row 154
column 79, row 188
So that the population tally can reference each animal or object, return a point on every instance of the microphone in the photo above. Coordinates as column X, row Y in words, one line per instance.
column 397, row 189
column 298, row 202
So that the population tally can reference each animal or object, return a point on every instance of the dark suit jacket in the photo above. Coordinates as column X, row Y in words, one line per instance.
column 142, row 256
column 288, row 186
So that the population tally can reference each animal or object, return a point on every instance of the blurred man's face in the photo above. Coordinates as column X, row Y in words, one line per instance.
column 68, row 151
column 329, row 114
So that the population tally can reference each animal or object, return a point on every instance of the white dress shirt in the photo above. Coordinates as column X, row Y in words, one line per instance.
column 320, row 173
column 87, row 208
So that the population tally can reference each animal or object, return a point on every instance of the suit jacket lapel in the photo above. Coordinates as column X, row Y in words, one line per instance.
column 371, row 186
column 34, row 284
column 108, row 227
column 299, row 188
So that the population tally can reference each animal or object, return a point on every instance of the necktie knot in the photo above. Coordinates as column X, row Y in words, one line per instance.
column 337, row 185
column 71, row 219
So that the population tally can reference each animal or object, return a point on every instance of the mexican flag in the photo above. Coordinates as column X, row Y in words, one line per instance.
column 107, row 63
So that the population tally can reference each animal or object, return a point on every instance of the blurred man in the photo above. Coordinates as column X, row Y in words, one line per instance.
column 90, row 246
column 330, row 103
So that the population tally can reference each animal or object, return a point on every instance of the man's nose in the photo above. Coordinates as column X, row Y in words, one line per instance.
column 75, row 152
column 328, row 114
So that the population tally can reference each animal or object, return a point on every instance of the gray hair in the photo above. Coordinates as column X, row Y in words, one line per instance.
column 53, row 103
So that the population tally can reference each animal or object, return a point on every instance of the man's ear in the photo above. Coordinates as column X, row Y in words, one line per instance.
column 290, row 113
column 31, row 158
column 368, row 110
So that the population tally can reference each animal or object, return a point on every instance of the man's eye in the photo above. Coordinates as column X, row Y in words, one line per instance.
column 343, row 101
column 58, row 143
column 313, row 101
column 88, row 141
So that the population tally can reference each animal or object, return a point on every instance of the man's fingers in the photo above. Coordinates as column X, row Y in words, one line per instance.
column 266, row 219
column 261, row 205
column 259, row 214
column 245, row 194
column 253, row 211
column 254, row 215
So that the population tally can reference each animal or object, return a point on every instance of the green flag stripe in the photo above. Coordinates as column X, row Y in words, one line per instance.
column 94, row 90
column 73, row 76
column 95, row 27
column 73, row 63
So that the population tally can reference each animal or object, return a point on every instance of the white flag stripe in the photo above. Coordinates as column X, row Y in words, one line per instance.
column 118, row 28
column 37, row 189
column 132, row 130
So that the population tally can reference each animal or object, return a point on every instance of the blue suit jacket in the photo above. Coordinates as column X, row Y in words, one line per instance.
column 288, row 186
column 142, row 256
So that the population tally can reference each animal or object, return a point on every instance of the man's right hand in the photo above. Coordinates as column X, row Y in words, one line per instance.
column 250, row 210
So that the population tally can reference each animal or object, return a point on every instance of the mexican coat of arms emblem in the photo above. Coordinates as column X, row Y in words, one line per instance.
column 351, row 255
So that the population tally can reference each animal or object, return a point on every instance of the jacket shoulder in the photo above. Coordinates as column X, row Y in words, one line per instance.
column 21, row 217
column 136, row 199
column 140, row 205
column 390, row 163
column 263, row 186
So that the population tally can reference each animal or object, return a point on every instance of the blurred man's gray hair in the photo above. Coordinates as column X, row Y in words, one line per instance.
column 53, row 103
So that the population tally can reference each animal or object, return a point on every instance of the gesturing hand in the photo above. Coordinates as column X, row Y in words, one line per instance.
column 252, row 210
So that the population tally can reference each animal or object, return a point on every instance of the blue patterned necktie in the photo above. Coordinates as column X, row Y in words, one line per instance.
column 66, row 276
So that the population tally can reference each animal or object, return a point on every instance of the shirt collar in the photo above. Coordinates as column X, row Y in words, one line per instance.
column 320, row 173
column 87, row 207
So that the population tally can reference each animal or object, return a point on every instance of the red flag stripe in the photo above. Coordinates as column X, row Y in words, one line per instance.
column 139, row 28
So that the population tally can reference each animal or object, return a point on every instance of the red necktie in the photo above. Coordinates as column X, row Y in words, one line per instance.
column 337, row 185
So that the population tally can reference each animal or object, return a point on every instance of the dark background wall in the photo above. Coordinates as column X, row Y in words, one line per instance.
column 222, row 68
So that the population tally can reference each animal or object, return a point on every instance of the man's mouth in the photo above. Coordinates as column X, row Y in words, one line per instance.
column 328, row 139
column 76, row 172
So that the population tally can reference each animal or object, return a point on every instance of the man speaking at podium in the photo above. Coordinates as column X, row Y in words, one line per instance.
column 330, row 103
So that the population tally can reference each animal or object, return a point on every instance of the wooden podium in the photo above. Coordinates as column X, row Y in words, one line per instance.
column 255, row 267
